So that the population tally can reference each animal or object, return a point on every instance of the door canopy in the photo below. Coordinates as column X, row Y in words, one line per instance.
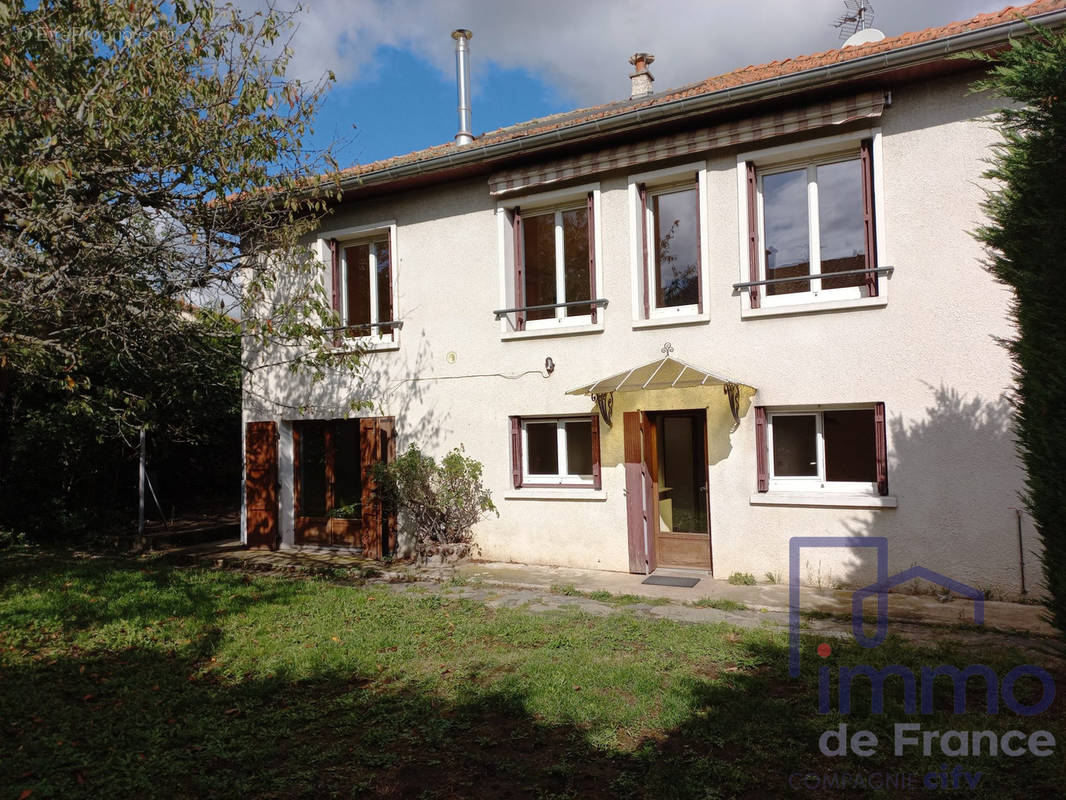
column 666, row 373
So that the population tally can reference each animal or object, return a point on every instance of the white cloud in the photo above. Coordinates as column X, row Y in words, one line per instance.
column 580, row 47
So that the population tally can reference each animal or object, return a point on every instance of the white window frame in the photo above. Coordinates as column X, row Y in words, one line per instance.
column 364, row 234
column 561, row 317
column 664, row 181
column 787, row 158
column 559, row 200
column 561, row 478
column 818, row 483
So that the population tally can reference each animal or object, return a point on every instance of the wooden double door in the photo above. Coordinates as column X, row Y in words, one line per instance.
column 668, row 506
column 335, row 494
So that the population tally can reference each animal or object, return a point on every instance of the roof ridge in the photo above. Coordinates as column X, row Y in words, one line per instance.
column 725, row 80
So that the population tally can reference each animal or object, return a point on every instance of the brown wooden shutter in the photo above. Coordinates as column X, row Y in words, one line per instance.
column 753, row 232
column 761, row 454
column 516, row 452
column 519, row 269
column 387, row 432
column 632, row 443
column 370, row 453
column 870, row 240
column 642, row 191
column 597, row 482
column 335, row 281
column 699, row 249
column 592, row 254
column 261, row 484
column 881, row 448
column 335, row 275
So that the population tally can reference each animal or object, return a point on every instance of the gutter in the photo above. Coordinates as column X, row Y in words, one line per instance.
column 722, row 98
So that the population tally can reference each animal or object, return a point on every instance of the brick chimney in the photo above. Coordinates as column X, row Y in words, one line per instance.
column 641, row 79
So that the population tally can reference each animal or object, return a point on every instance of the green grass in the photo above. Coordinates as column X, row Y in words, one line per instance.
column 720, row 603
column 742, row 579
column 136, row 679
column 603, row 596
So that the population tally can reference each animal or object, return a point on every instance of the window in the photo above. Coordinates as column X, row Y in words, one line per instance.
column 825, row 449
column 551, row 451
column 548, row 250
column 363, row 283
column 812, row 219
column 668, row 257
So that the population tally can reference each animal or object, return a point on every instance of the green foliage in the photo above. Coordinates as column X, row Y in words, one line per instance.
column 742, row 579
column 1026, row 240
column 720, row 603
column 152, row 173
column 443, row 502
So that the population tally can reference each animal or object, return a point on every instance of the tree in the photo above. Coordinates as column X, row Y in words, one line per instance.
column 151, row 164
column 1026, row 238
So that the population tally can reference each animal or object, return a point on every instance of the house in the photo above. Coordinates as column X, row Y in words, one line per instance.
column 681, row 328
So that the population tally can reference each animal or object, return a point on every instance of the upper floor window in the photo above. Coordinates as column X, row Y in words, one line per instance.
column 811, row 223
column 363, row 284
column 550, row 261
column 669, row 247
column 554, row 263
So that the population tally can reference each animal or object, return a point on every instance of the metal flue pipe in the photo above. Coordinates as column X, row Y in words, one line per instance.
column 462, row 74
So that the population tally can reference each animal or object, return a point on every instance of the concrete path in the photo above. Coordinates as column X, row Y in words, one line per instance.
column 914, row 608
column 825, row 612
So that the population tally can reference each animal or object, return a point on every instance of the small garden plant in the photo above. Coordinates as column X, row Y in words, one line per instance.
column 442, row 501
column 742, row 579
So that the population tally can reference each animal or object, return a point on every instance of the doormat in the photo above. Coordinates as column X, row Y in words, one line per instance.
column 670, row 580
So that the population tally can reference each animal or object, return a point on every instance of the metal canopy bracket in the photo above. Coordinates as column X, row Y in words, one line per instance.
column 605, row 403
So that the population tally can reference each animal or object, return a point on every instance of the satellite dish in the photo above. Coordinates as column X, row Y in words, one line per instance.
column 864, row 36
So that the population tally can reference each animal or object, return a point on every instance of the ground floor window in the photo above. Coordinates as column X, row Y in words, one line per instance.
column 555, row 451
column 823, row 449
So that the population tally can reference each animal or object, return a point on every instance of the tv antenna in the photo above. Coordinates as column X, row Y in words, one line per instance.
column 858, row 17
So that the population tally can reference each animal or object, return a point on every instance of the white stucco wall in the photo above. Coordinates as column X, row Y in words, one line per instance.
column 929, row 354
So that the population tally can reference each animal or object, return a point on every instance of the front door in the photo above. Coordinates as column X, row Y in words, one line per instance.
column 682, row 524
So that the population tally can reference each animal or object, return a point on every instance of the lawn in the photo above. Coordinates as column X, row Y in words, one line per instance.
column 125, row 678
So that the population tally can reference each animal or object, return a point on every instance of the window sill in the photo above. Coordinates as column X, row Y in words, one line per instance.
column 814, row 307
column 823, row 500
column 663, row 322
column 597, row 495
column 561, row 330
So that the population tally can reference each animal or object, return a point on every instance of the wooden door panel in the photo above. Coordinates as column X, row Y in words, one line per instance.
column 684, row 549
column 651, row 485
column 634, row 491
column 261, row 484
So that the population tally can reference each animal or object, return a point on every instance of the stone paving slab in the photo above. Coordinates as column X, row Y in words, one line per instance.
column 912, row 608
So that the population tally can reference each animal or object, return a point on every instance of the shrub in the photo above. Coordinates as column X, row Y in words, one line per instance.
column 1026, row 239
column 442, row 501
column 742, row 579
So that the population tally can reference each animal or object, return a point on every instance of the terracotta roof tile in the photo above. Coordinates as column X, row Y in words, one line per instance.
column 739, row 77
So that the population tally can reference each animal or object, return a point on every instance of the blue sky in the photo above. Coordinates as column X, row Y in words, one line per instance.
column 395, row 64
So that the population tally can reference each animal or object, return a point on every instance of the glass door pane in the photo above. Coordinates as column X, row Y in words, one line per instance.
column 312, row 474
column 347, row 472
column 682, row 476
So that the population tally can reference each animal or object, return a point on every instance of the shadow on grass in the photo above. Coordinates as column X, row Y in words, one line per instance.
column 155, row 719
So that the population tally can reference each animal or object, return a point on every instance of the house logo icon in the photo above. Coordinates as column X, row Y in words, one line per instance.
column 878, row 589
